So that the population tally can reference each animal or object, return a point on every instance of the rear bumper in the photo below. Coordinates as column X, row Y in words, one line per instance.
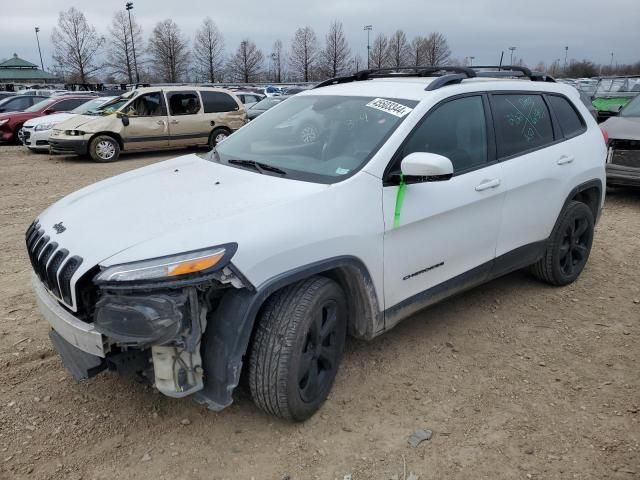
column 76, row 332
column 68, row 147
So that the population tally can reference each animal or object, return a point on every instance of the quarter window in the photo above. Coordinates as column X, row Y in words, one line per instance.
column 522, row 123
column 456, row 130
column 569, row 119
column 217, row 102
column 184, row 103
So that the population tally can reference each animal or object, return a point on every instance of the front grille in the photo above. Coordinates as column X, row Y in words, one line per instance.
column 626, row 158
column 51, row 263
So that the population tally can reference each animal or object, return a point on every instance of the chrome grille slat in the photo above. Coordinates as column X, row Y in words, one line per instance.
column 52, row 263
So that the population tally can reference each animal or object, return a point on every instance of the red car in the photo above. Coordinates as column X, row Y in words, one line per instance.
column 11, row 122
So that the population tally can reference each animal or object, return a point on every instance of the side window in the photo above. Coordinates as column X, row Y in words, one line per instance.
column 570, row 121
column 522, row 123
column 183, row 103
column 21, row 103
column 147, row 105
column 67, row 105
column 216, row 102
column 456, row 130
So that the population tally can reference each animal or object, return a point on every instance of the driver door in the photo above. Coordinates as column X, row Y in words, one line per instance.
column 445, row 235
column 148, row 125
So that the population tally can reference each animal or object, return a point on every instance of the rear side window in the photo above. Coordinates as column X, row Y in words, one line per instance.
column 522, row 123
column 217, row 102
column 569, row 119
column 184, row 103
column 456, row 130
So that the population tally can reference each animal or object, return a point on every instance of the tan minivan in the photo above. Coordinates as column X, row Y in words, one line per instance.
column 151, row 118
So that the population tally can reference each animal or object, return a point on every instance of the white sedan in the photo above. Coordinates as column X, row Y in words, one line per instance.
column 35, row 132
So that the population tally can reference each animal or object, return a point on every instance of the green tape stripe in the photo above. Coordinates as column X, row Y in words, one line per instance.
column 399, row 201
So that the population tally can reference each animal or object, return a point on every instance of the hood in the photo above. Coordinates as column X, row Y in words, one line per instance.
column 17, row 114
column 80, row 120
column 623, row 128
column 55, row 119
column 166, row 208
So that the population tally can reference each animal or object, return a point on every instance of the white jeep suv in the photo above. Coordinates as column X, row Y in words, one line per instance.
column 262, row 255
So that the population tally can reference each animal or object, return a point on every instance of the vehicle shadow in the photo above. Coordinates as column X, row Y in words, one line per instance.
column 158, row 155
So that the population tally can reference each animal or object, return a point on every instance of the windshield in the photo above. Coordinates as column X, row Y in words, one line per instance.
column 632, row 109
column 115, row 104
column 91, row 106
column 315, row 138
column 611, row 85
column 36, row 107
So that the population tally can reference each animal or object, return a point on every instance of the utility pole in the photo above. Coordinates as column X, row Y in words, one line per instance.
column 129, row 7
column 611, row 65
column 513, row 49
column 471, row 59
column 566, row 53
column 39, row 51
column 368, row 28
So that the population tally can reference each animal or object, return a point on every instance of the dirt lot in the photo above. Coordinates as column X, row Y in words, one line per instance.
column 516, row 379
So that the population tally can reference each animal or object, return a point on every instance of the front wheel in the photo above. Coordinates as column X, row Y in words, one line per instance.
column 297, row 348
column 569, row 246
column 104, row 148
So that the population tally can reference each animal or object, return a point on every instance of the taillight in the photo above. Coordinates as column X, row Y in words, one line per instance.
column 605, row 135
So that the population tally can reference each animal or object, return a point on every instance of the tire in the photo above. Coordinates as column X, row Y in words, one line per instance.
column 16, row 138
column 289, row 349
column 569, row 246
column 218, row 135
column 104, row 148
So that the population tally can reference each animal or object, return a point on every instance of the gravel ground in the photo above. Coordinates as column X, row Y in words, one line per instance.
column 515, row 379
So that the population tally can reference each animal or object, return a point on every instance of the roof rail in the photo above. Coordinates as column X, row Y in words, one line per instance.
column 395, row 72
column 450, row 79
column 509, row 70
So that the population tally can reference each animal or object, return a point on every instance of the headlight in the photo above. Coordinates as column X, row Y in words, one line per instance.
column 44, row 126
column 166, row 268
column 74, row 133
column 2, row 122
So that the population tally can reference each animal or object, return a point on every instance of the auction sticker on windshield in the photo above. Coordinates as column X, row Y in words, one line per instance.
column 394, row 108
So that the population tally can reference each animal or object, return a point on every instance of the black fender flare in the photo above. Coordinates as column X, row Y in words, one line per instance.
column 230, row 326
column 597, row 183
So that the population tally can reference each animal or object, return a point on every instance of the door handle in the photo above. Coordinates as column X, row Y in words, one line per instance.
column 487, row 184
column 565, row 160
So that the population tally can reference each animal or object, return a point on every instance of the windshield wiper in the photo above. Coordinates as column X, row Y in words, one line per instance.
column 258, row 166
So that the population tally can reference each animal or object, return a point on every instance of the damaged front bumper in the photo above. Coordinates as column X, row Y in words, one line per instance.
column 623, row 163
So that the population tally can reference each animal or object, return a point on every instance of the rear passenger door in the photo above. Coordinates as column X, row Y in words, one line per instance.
column 187, row 123
column 222, row 110
column 538, row 167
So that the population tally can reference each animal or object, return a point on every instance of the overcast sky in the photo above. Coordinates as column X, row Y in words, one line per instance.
column 539, row 29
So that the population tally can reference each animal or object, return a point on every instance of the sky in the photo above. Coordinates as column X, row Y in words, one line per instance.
column 539, row 29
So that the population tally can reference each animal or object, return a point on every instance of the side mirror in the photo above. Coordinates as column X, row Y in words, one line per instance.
column 124, row 117
column 49, row 111
column 420, row 167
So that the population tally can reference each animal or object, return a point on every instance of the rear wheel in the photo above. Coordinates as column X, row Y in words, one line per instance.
column 217, row 136
column 297, row 348
column 104, row 148
column 569, row 246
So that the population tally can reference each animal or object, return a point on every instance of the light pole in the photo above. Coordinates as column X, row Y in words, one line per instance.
column 566, row 53
column 39, row 51
column 368, row 28
column 513, row 49
column 611, row 65
column 129, row 7
column 471, row 59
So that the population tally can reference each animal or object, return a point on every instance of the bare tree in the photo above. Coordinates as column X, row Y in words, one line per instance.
column 246, row 64
column 76, row 45
column 398, row 51
column 335, row 59
column 437, row 50
column 278, row 61
column 418, row 55
column 304, row 50
column 120, row 48
column 378, row 53
column 208, row 51
column 358, row 62
column 169, row 52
